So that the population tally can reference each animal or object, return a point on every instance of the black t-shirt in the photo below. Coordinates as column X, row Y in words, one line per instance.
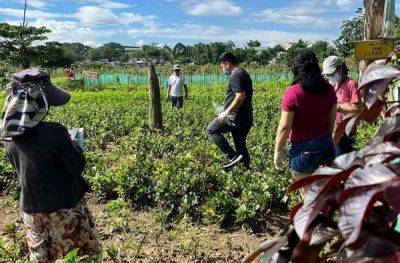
column 49, row 167
column 240, row 81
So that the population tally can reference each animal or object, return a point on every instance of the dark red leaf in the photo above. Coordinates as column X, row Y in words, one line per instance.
column 340, row 129
column 392, row 111
column 392, row 196
column 352, row 123
column 374, row 90
column 323, row 233
column 370, row 175
column 311, row 207
column 345, row 161
column 371, row 114
column 304, row 252
column 319, row 174
column 267, row 248
column 354, row 209
column 380, row 153
column 388, row 128
column 374, row 65
column 335, row 181
column 294, row 210
column 376, row 249
column 377, row 71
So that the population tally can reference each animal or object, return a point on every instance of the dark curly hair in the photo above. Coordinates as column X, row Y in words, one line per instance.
column 307, row 73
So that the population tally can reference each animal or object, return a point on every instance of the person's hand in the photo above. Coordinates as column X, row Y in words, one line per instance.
column 223, row 115
column 278, row 160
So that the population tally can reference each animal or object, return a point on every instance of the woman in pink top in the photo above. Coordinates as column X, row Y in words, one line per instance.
column 308, row 118
column 348, row 99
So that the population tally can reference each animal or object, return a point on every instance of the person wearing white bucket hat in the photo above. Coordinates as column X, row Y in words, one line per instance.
column 49, row 166
column 349, row 100
column 177, row 88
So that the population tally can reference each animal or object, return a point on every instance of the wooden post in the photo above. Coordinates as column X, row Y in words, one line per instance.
column 373, row 23
column 155, row 114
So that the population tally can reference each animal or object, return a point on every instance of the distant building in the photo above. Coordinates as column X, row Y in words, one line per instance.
column 130, row 49
column 287, row 46
column 260, row 49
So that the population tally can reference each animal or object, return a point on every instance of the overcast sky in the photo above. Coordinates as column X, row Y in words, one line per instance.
column 95, row 22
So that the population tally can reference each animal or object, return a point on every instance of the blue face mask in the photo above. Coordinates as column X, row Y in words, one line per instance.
column 226, row 72
column 334, row 79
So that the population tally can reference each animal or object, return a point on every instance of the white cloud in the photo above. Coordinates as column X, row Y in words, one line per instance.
column 140, row 42
column 31, row 14
column 211, row 8
column 103, row 16
column 71, row 31
column 108, row 4
column 319, row 14
column 345, row 4
column 199, row 33
column 39, row 4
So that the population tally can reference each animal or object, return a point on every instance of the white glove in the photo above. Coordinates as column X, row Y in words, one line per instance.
column 223, row 115
column 278, row 160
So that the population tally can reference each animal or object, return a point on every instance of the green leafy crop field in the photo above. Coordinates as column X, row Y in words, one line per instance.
column 178, row 169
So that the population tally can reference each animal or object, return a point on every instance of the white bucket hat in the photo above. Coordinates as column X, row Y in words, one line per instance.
column 331, row 64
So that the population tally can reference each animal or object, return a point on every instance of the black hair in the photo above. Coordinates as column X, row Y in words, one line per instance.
column 307, row 73
column 345, row 70
column 228, row 57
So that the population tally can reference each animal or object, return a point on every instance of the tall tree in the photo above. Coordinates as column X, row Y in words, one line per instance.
column 16, row 43
column 352, row 30
column 254, row 43
column 373, row 23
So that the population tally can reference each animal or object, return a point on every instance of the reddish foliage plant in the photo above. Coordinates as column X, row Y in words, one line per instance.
column 353, row 205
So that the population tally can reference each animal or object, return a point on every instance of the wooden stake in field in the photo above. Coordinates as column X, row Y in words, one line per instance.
column 155, row 114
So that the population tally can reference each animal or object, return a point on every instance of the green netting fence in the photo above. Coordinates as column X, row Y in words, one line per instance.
column 123, row 79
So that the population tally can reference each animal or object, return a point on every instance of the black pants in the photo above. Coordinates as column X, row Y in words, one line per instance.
column 176, row 102
column 239, row 132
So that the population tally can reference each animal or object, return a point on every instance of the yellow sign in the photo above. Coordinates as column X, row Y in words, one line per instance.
column 373, row 49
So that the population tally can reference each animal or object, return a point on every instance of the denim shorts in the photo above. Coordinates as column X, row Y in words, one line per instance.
column 306, row 156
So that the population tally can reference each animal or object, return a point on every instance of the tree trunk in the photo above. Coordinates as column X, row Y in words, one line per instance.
column 373, row 24
column 155, row 114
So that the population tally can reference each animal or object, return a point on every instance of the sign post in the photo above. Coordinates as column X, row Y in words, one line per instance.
column 90, row 75
column 374, row 49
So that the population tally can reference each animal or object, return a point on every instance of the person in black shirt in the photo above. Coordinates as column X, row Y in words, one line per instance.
column 49, row 166
column 237, row 116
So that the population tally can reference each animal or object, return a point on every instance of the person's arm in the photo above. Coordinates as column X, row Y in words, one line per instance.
column 349, row 108
column 169, row 87
column 282, row 134
column 332, row 118
column 284, row 128
column 240, row 97
column 168, row 90
column 69, row 153
column 354, row 105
